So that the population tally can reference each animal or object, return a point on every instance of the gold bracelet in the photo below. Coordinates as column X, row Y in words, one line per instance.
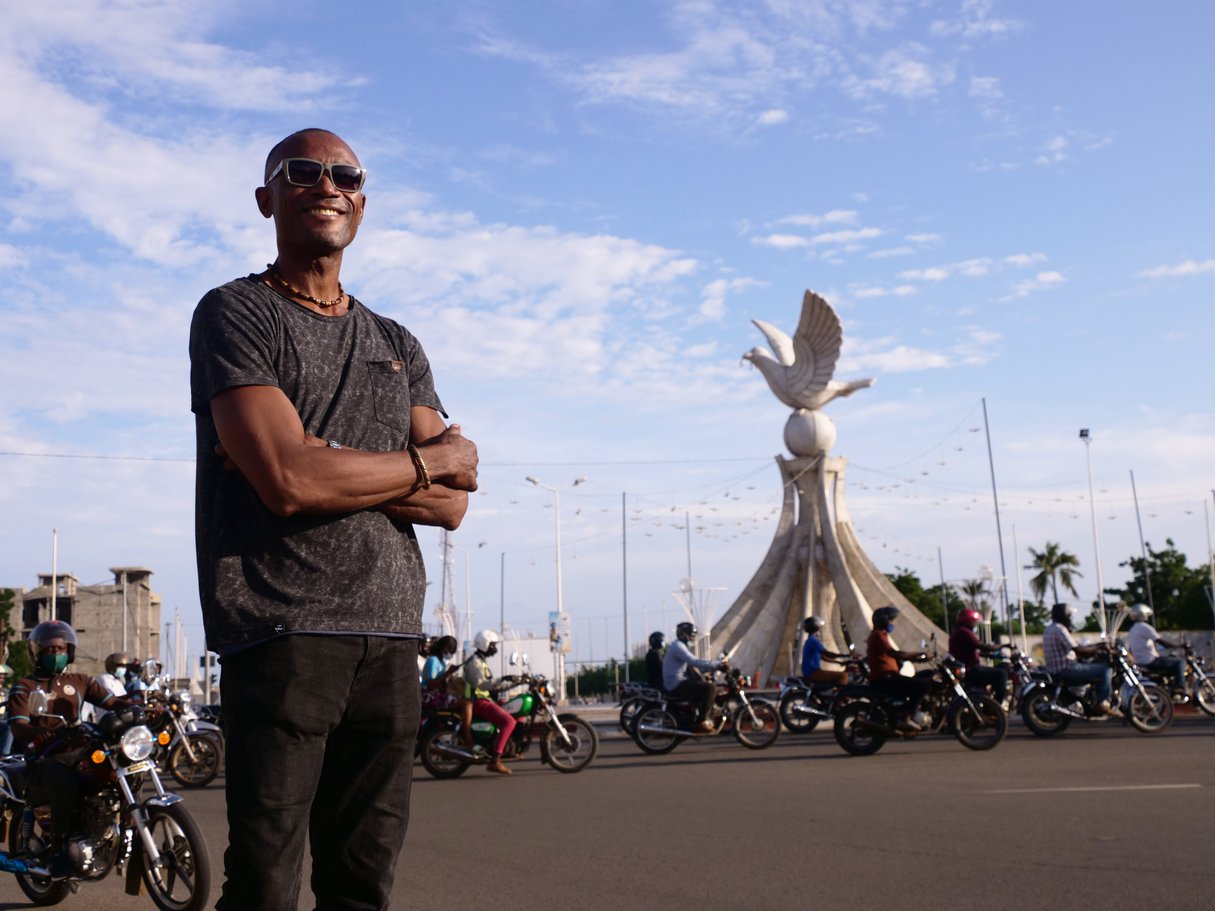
column 419, row 466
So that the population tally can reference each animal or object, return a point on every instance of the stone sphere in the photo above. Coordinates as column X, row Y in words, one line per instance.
column 809, row 433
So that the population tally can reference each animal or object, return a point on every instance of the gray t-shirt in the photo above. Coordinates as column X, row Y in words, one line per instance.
column 353, row 379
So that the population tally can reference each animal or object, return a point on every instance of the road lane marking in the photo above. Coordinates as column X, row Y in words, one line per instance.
column 1126, row 787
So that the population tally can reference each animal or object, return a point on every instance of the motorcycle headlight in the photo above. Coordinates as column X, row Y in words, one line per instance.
column 137, row 743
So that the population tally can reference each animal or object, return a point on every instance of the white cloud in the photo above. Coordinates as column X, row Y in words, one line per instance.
column 907, row 72
column 807, row 220
column 975, row 21
column 781, row 241
column 1040, row 282
column 845, row 237
column 972, row 268
column 897, row 291
column 713, row 304
column 1179, row 270
column 772, row 117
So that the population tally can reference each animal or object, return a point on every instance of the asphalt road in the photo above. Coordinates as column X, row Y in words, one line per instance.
column 1101, row 817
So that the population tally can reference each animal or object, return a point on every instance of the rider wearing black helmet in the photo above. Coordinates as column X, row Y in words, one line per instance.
column 884, row 663
column 1061, row 659
column 53, row 781
column 813, row 653
column 653, row 660
column 679, row 677
column 117, row 672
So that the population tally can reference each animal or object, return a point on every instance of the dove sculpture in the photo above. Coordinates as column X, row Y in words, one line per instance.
column 800, row 373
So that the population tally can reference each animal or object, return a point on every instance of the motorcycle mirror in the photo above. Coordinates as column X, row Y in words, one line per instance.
column 38, row 703
column 514, row 659
column 924, row 644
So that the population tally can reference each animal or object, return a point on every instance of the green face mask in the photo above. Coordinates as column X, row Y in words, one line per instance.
column 52, row 664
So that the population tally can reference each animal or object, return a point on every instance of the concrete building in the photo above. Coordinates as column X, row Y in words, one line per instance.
column 123, row 615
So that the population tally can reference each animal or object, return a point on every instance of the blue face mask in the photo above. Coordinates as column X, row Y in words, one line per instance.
column 120, row 673
column 890, row 627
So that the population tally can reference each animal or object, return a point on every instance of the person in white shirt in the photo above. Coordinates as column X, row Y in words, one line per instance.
column 1142, row 639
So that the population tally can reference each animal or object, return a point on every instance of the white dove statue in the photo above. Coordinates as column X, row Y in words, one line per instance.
column 800, row 374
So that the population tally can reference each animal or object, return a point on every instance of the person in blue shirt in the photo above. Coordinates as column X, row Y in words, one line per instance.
column 681, row 677
column 813, row 653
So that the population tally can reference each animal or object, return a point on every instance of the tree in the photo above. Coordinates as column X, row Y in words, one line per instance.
column 927, row 600
column 1179, row 592
column 15, row 655
column 1055, row 566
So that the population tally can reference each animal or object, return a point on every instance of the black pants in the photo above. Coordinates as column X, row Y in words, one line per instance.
column 995, row 677
column 701, row 693
column 912, row 689
column 320, row 738
column 53, row 784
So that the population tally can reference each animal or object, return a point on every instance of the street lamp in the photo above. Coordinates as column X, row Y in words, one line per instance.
column 1092, row 505
column 560, row 606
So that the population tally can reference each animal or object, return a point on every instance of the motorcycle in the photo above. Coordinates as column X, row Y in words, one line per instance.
column 567, row 743
column 802, row 707
column 151, row 840
column 633, row 698
column 1048, row 706
column 194, row 751
column 1021, row 672
column 868, row 720
column 666, row 722
column 1199, row 686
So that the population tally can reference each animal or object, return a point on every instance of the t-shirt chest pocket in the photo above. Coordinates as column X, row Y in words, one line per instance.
column 390, row 393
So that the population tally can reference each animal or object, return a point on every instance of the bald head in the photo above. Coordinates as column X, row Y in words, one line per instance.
column 282, row 148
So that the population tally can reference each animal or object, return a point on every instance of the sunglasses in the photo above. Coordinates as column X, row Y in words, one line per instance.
column 306, row 172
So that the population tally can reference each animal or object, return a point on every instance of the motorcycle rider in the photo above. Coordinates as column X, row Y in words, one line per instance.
column 1141, row 639
column 681, row 678
column 884, row 663
column 117, row 668
column 1061, row 659
column 813, row 653
column 480, row 685
column 966, row 647
column 653, row 660
column 53, row 781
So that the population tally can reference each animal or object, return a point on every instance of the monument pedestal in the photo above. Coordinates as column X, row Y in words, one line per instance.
column 815, row 566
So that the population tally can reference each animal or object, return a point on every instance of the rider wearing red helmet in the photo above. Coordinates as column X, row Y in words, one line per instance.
column 965, row 645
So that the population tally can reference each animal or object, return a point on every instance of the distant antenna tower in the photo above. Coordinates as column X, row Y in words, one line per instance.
column 445, row 611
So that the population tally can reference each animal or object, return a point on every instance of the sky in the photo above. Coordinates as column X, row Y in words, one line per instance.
column 578, row 207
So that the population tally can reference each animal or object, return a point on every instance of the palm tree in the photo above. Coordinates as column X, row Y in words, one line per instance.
column 1055, row 566
column 975, row 591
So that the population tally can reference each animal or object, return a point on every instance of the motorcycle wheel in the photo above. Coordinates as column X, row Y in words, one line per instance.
column 756, row 726
column 658, row 741
column 1150, row 710
column 629, row 710
column 199, row 771
column 39, row 891
column 185, row 872
column 438, row 763
column 979, row 730
column 852, row 731
column 572, row 757
column 794, row 720
column 1204, row 695
column 1041, row 720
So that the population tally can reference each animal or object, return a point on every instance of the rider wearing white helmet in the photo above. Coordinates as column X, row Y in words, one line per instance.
column 481, row 686
column 1142, row 639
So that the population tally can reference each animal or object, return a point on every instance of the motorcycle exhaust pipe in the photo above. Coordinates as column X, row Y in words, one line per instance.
column 1060, row 710
column 656, row 729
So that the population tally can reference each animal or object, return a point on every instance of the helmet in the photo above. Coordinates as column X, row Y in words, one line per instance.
column 657, row 640
column 885, row 615
column 686, row 631
column 1141, row 613
column 968, row 617
column 812, row 625
column 43, row 635
column 1062, row 614
column 486, row 639
column 116, row 660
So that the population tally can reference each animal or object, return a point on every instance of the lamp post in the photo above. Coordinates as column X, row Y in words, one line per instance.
column 560, row 606
column 1092, row 505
